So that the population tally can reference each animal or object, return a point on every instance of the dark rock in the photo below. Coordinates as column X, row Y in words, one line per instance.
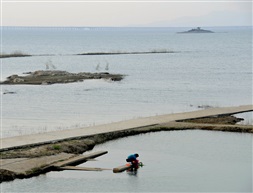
column 12, row 76
column 6, row 175
column 9, row 92
column 27, row 72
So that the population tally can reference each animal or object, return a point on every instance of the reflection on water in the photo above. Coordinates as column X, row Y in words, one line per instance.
column 186, row 161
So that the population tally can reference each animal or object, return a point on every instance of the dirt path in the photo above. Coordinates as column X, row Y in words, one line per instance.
column 56, row 136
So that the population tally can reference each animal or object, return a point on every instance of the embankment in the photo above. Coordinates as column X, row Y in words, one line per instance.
column 16, row 163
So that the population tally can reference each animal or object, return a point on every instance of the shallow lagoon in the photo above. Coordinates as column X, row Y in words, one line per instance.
column 175, row 161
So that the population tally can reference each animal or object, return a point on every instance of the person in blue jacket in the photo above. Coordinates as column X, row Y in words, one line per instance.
column 133, row 160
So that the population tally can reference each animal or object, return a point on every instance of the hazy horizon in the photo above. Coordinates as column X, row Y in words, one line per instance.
column 125, row 14
column 246, row 26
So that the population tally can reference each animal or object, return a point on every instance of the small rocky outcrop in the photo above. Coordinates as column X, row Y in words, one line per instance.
column 197, row 30
column 47, row 77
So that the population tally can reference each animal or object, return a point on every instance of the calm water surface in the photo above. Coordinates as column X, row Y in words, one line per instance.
column 176, row 161
column 206, row 69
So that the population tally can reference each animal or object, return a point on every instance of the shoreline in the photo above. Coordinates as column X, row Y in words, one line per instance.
column 54, row 152
column 15, row 55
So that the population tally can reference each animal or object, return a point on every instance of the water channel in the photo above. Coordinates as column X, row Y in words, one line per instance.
column 175, row 161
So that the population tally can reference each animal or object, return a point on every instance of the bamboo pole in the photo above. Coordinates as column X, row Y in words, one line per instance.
column 82, row 168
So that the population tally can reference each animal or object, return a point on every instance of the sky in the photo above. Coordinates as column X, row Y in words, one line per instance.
column 126, row 13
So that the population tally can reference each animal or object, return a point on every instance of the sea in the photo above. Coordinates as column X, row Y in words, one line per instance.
column 202, row 70
column 199, row 71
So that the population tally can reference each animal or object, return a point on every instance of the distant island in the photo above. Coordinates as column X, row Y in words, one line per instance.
column 197, row 30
